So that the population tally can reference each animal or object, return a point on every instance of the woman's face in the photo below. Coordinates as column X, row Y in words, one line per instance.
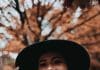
column 52, row 61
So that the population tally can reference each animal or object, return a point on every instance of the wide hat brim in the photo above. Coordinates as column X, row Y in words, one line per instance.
column 76, row 55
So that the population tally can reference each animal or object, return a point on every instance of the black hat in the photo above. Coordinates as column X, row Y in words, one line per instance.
column 76, row 56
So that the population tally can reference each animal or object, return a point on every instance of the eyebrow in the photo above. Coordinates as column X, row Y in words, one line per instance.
column 57, row 57
column 44, row 60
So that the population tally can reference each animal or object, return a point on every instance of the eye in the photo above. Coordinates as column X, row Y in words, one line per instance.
column 58, row 61
column 42, row 64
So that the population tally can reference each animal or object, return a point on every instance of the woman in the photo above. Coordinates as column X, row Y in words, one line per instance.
column 53, row 55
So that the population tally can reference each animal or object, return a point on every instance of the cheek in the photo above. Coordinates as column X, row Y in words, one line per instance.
column 55, row 67
column 61, row 67
column 43, row 67
column 7, row 68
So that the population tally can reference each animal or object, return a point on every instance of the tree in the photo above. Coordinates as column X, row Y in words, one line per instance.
column 24, row 22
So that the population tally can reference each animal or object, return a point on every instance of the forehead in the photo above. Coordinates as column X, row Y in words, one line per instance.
column 50, row 55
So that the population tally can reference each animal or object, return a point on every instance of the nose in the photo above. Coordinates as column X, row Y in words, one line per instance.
column 50, row 67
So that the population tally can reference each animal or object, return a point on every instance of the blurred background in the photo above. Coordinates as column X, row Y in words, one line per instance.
column 25, row 22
